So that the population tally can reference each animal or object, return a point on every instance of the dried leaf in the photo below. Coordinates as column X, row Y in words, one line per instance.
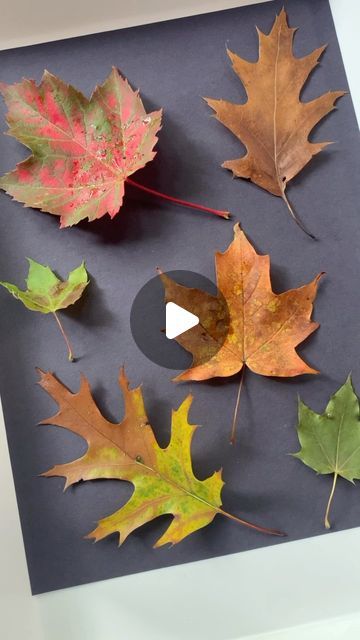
column 163, row 479
column 330, row 442
column 46, row 293
column 274, row 124
column 264, row 327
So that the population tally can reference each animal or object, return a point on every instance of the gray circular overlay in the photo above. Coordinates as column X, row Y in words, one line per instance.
column 193, row 292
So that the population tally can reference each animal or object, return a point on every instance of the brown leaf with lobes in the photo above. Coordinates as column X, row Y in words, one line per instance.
column 264, row 327
column 274, row 124
column 163, row 479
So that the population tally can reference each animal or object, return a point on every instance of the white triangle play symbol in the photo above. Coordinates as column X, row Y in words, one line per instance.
column 178, row 320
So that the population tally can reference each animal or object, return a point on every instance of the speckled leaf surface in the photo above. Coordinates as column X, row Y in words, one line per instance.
column 330, row 441
column 82, row 149
column 163, row 479
column 264, row 327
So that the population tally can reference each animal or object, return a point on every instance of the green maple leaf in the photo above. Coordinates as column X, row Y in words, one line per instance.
column 330, row 442
column 46, row 293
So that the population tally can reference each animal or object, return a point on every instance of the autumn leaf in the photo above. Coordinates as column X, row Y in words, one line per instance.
column 264, row 327
column 330, row 442
column 83, row 150
column 274, row 124
column 46, row 293
column 163, row 479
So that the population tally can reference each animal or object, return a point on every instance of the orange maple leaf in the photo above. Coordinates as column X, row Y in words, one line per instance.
column 264, row 327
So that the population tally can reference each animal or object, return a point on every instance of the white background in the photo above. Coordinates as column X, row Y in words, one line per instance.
column 256, row 592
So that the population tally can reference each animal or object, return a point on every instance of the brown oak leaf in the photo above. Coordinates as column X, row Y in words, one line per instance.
column 274, row 124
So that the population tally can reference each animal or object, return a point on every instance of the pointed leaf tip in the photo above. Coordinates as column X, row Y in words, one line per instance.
column 123, row 379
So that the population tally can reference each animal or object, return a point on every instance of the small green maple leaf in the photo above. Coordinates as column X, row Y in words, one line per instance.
column 46, row 293
column 330, row 442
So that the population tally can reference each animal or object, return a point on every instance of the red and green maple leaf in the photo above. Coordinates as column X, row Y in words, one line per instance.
column 83, row 150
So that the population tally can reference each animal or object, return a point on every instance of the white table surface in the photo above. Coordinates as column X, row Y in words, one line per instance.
column 264, row 594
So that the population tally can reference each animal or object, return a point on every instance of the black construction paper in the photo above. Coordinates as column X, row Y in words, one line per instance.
column 174, row 64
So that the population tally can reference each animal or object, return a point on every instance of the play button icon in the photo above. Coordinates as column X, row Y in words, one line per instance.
column 158, row 322
column 178, row 320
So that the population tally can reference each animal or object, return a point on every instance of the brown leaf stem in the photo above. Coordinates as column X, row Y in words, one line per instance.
column 295, row 218
column 67, row 342
column 237, row 405
column 326, row 520
column 183, row 203
column 250, row 525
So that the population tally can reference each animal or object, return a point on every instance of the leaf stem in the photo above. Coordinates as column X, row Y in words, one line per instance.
column 294, row 217
column 250, row 525
column 326, row 521
column 221, row 512
column 184, row 203
column 237, row 405
column 67, row 342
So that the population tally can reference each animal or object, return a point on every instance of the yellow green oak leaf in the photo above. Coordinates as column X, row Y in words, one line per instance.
column 163, row 479
column 46, row 293
column 330, row 442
